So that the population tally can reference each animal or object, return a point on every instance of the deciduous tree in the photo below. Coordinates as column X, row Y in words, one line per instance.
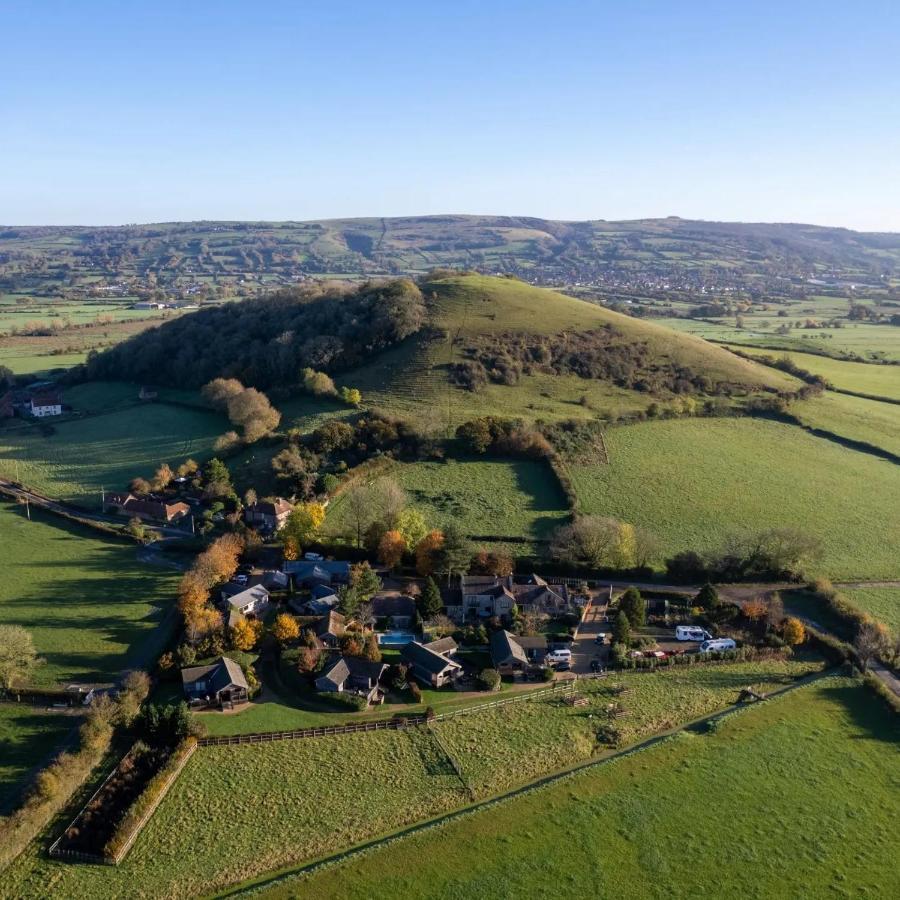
column 427, row 550
column 245, row 633
column 18, row 658
column 391, row 548
column 285, row 628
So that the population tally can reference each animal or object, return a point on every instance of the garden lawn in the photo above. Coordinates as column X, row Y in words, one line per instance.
column 77, row 458
column 91, row 607
column 279, row 803
column 806, row 791
column 28, row 737
column 496, row 498
column 693, row 482
column 508, row 745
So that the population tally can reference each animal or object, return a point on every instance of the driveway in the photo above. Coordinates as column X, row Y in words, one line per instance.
column 593, row 623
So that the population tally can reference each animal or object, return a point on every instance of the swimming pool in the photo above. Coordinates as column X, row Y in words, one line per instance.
column 396, row 638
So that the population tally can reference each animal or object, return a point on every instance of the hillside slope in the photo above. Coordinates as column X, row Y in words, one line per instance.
column 464, row 345
column 471, row 311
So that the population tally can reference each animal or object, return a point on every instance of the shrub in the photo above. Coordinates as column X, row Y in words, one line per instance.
column 415, row 692
column 547, row 673
column 489, row 679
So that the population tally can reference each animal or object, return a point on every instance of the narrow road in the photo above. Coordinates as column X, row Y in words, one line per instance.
column 16, row 491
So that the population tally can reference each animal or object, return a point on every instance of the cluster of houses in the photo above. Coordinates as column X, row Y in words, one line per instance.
column 434, row 664
column 37, row 402
column 266, row 516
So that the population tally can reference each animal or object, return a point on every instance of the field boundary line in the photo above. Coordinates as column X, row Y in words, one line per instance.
column 139, row 826
column 457, row 768
column 265, row 737
column 301, row 871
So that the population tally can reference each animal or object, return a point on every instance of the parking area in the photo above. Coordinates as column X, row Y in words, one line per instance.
column 585, row 648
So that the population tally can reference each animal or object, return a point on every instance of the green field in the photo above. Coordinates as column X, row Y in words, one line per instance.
column 870, row 421
column 28, row 737
column 862, row 340
column 503, row 498
column 807, row 801
column 881, row 602
column 90, row 606
column 105, row 450
column 500, row 748
column 282, row 802
column 693, row 482
column 862, row 378
column 326, row 793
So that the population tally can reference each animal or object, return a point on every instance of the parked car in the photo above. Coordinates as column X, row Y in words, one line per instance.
column 596, row 665
column 563, row 667
column 601, row 638
column 554, row 657
column 240, row 579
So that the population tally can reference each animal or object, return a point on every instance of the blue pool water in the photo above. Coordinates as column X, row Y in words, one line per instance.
column 396, row 638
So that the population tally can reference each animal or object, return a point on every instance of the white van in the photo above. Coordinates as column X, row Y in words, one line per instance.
column 558, row 656
column 717, row 644
column 691, row 633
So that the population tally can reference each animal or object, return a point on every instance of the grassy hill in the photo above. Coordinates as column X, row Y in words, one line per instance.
column 415, row 376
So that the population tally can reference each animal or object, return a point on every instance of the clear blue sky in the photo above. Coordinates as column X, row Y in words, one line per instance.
column 159, row 111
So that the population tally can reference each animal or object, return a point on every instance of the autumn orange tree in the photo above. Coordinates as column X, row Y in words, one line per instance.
column 245, row 633
column 285, row 628
column 793, row 631
column 212, row 567
column 427, row 550
column 391, row 548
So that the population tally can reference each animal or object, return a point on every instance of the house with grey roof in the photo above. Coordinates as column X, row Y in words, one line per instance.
column 352, row 674
column 245, row 601
column 507, row 654
column 488, row 596
column 397, row 609
column 446, row 646
column 220, row 684
column 431, row 668
column 309, row 573
column 330, row 628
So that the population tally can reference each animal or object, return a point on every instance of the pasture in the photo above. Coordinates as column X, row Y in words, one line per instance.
column 863, row 340
column 808, row 790
column 325, row 794
column 499, row 498
column 695, row 482
column 28, row 738
column 502, row 747
column 317, row 795
column 91, row 607
column 882, row 603
column 862, row 378
column 869, row 421
column 72, row 460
